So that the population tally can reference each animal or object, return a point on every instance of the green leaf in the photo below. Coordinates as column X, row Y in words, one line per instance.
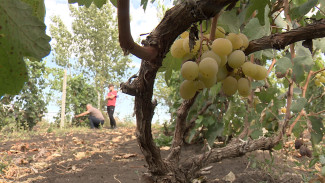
column 313, row 162
column 144, row 4
column 213, row 131
column 100, row 3
column 257, row 133
column 319, row 44
column 322, row 159
column 256, row 84
column 38, row 7
column 298, row 105
column 87, row 3
column 317, row 124
column 267, row 95
column 316, row 138
column 282, row 65
column 229, row 21
column 278, row 146
column 302, row 63
column 21, row 34
column 169, row 64
column 258, row 5
column 114, row 2
column 23, row 30
column 254, row 30
column 303, row 9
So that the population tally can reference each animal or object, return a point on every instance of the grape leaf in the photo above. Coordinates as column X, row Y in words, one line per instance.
column 258, row 5
column 302, row 9
column 144, row 4
column 21, row 34
column 38, row 7
column 317, row 125
column 302, row 63
column 87, row 3
column 298, row 105
column 169, row 64
column 282, row 65
column 114, row 2
column 254, row 30
column 319, row 44
column 213, row 131
column 229, row 21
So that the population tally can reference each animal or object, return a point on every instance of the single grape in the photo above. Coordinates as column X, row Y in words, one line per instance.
column 205, row 47
column 244, row 87
column 236, row 59
column 318, row 83
column 245, row 40
column 208, row 67
column 261, row 73
column 249, row 69
column 220, row 32
column 221, row 46
column 229, row 85
column 187, row 89
column 177, row 50
column 322, row 79
column 211, row 54
column 235, row 40
column 208, row 82
column 186, row 46
column 190, row 70
column 222, row 73
column 185, row 35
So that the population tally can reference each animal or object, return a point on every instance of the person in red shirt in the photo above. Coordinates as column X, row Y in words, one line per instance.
column 111, row 101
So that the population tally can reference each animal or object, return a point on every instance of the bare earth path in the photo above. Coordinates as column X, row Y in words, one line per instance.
column 113, row 156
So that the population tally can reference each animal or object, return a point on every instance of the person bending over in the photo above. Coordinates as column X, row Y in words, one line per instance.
column 111, row 101
column 96, row 118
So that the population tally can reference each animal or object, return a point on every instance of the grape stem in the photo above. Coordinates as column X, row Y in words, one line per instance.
column 214, row 26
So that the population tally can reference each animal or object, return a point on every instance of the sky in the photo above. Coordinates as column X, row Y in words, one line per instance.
column 141, row 22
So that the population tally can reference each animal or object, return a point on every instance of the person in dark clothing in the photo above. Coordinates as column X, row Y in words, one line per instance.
column 111, row 101
column 96, row 117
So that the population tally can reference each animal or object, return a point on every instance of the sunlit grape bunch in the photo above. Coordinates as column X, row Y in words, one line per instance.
column 320, row 79
column 219, row 60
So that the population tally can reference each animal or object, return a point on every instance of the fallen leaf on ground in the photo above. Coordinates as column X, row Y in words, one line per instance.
column 165, row 148
column 230, row 177
column 124, row 156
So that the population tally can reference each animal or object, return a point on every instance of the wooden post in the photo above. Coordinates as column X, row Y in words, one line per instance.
column 64, row 93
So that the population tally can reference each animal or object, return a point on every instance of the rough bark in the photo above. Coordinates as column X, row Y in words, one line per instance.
column 281, row 40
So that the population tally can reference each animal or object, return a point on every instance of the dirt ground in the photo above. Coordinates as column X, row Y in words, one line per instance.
column 113, row 156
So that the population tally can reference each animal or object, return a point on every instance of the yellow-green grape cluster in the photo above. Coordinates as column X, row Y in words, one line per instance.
column 219, row 60
column 254, row 71
column 320, row 79
column 198, row 76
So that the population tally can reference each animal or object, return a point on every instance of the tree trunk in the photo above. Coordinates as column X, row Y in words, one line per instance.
column 64, row 94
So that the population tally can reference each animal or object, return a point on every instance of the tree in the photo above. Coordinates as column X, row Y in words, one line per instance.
column 29, row 106
column 96, row 39
column 62, row 51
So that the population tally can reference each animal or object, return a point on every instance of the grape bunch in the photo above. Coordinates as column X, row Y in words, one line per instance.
column 219, row 60
column 320, row 79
